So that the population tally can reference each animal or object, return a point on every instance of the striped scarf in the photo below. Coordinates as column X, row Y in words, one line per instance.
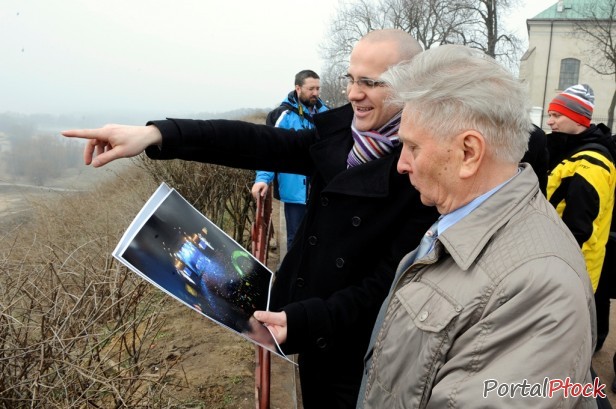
column 370, row 145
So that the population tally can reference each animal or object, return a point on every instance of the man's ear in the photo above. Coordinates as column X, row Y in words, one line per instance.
column 298, row 89
column 474, row 149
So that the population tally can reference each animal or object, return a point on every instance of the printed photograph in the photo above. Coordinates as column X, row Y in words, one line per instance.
column 179, row 250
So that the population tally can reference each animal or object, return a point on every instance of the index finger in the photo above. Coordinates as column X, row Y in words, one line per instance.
column 98, row 133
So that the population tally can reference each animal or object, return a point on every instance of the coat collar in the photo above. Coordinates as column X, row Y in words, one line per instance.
column 562, row 145
column 330, row 155
column 292, row 101
column 466, row 239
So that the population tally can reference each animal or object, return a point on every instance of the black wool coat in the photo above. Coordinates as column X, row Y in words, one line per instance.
column 359, row 224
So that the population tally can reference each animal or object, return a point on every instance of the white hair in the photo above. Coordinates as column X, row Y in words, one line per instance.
column 453, row 88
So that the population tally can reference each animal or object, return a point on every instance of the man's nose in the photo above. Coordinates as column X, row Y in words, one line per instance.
column 402, row 167
column 355, row 92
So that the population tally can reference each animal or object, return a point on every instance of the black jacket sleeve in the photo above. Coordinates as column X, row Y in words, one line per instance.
column 582, row 207
column 235, row 144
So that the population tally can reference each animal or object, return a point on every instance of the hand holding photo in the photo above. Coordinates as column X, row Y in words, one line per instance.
column 178, row 250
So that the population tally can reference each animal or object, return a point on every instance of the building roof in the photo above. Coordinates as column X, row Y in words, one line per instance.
column 575, row 10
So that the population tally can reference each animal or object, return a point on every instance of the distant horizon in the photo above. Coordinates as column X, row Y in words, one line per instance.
column 129, row 117
column 131, row 112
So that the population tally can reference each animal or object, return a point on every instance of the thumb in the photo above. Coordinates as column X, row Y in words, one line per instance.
column 260, row 315
column 269, row 317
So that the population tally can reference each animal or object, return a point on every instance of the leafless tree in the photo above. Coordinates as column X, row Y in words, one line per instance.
column 598, row 29
column 484, row 31
column 36, row 158
column 332, row 92
column 432, row 22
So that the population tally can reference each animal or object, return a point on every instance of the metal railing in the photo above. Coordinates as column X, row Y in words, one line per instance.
column 262, row 230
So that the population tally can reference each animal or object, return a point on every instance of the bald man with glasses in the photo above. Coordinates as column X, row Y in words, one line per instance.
column 362, row 215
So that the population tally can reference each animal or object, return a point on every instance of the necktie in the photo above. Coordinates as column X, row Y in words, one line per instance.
column 427, row 242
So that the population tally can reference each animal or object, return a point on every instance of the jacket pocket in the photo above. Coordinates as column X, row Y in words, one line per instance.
column 411, row 346
column 430, row 309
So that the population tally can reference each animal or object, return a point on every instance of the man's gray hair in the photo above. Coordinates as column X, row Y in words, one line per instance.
column 453, row 88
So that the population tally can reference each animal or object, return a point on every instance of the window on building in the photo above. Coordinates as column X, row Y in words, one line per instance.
column 569, row 72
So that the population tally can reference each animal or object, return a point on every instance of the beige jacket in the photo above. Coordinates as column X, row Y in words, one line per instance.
column 503, row 303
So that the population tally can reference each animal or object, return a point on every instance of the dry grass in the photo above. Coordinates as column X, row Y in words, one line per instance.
column 77, row 330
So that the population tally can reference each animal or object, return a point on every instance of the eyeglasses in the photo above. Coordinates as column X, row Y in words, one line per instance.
column 347, row 81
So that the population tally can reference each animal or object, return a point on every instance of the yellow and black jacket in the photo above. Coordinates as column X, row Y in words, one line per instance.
column 581, row 185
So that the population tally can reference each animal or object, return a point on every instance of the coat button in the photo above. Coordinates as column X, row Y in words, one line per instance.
column 423, row 316
column 339, row 262
column 312, row 240
column 324, row 200
column 356, row 221
column 321, row 343
column 300, row 282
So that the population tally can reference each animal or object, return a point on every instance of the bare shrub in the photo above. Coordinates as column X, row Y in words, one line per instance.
column 79, row 330
column 222, row 194
column 76, row 328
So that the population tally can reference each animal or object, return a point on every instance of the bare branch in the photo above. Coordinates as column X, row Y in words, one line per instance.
column 596, row 29
column 431, row 22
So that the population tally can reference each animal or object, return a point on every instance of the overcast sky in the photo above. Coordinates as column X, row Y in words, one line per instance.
column 162, row 56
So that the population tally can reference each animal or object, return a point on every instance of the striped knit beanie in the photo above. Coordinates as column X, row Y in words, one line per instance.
column 576, row 103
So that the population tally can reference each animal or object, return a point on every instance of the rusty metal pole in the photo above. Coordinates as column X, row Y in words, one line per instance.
column 262, row 230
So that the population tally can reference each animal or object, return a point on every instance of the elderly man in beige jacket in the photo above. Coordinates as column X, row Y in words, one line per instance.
column 499, row 311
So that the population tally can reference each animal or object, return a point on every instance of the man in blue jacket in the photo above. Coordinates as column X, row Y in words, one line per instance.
column 295, row 112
